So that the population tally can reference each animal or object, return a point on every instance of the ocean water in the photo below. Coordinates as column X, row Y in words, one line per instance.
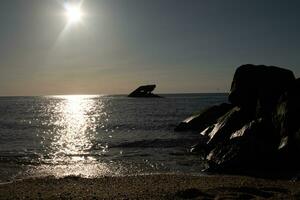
column 98, row 135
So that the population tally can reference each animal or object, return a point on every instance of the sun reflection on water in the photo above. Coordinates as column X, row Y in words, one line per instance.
column 74, row 120
column 73, row 139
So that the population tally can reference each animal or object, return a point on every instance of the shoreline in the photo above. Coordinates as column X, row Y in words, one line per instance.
column 154, row 186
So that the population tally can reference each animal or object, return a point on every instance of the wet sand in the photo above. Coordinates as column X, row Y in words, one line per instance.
column 152, row 187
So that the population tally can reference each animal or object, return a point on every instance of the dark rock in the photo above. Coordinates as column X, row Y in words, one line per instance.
column 286, row 115
column 262, row 130
column 258, row 87
column 287, row 122
column 251, row 147
column 144, row 91
column 206, row 118
column 220, row 132
column 201, row 147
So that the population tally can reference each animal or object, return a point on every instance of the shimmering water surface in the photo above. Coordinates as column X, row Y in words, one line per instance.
column 97, row 135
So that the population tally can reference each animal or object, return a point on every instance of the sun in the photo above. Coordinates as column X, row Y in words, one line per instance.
column 73, row 13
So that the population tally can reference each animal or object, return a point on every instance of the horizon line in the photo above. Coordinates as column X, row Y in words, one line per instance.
column 76, row 94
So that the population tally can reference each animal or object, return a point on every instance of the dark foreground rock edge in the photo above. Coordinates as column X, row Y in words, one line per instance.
column 259, row 130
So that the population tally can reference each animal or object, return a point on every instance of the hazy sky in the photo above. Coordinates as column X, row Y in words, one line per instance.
column 180, row 45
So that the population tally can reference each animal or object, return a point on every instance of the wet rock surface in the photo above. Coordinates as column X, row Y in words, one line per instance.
column 206, row 118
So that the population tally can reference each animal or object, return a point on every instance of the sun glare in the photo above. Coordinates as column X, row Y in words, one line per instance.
column 73, row 13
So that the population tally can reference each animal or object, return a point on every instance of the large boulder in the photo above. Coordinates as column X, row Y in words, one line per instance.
column 220, row 132
column 262, row 129
column 251, row 147
column 258, row 87
column 206, row 118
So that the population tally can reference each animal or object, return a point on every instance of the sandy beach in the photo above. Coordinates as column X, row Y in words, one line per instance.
column 159, row 186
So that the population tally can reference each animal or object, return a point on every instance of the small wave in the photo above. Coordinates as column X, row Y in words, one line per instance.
column 156, row 143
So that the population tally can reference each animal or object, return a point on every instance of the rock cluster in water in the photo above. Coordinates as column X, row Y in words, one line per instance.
column 258, row 129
